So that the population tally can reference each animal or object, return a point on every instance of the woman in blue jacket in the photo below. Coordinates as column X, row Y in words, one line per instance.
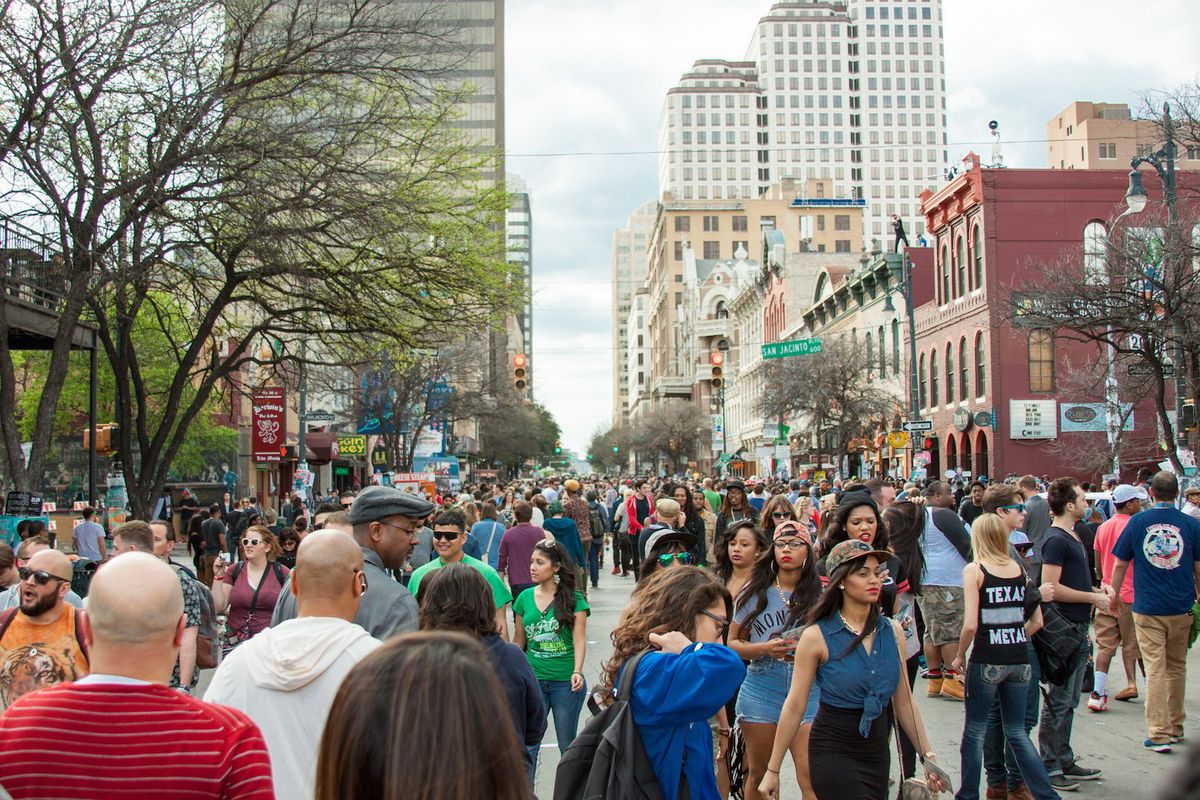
column 682, row 614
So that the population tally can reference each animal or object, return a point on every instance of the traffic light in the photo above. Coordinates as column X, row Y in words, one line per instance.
column 616, row 449
column 1189, row 415
column 518, row 367
column 717, row 361
column 589, row 456
column 106, row 439
column 930, row 443
column 558, row 448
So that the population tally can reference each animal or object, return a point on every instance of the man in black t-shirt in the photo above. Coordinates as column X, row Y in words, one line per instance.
column 213, row 531
column 1065, row 565
column 972, row 505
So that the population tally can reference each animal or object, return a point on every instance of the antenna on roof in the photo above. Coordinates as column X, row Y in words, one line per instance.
column 997, row 155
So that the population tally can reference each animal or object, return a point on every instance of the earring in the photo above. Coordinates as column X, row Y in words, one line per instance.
column 841, row 586
column 557, row 578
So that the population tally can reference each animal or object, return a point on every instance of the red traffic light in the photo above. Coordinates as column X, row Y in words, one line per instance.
column 519, row 360
column 716, row 359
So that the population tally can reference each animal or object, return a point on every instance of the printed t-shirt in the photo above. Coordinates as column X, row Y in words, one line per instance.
column 1161, row 544
column 1106, row 539
column 500, row 593
column 769, row 622
column 33, row 656
column 549, row 646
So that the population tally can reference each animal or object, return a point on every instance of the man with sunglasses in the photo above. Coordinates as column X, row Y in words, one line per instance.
column 25, row 551
column 285, row 678
column 42, row 641
column 449, row 536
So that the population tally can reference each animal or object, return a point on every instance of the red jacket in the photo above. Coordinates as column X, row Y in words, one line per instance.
column 635, row 525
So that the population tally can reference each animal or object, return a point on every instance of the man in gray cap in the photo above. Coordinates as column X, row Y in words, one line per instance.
column 385, row 521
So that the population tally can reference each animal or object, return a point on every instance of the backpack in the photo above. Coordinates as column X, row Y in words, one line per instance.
column 208, row 633
column 1059, row 646
column 597, row 523
column 607, row 760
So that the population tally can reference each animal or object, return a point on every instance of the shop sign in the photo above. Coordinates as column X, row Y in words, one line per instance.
column 1032, row 419
column 352, row 445
column 268, row 423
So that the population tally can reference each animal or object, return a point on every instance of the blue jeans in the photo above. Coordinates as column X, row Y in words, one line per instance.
column 1058, row 716
column 1010, row 683
column 593, row 560
column 999, row 761
column 565, row 705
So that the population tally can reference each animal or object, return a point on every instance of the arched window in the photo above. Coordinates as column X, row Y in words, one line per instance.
column 1094, row 242
column 945, row 274
column 976, row 239
column 964, row 452
column 949, row 373
column 964, row 372
column 981, row 454
column 924, row 385
column 870, row 356
column 933, row 379
column 952, row 453
column 980, row 366
column 882, row 353
column 895, row 347
column 1041, row 361
column 961, row 264
column 722, row 310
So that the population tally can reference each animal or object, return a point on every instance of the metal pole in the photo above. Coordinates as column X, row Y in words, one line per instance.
column 914, row 401
column 301, row 444
column 1168, row 178
column 92, row 368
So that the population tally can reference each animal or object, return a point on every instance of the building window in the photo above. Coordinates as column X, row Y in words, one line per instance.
column 722, row 310
column 820, row 222
column 895, row 347
column 870, row 356
column 683, row 224
column 841, row 222
column 924, row 385
column 740, row 223
column 1041, row 361
column 978, row 256
column 980, row 367
column 841, row 246
column 1094, row 240
column 712, row 223
column 933, row 378
column 712, row 250
column 945, row 274
column 949, row 373
column 679, row 251
column 1108, row 150
column 882, row 353
column 961, row 262
column 964, row 372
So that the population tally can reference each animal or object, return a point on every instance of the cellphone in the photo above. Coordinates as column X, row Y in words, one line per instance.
column 793, row 635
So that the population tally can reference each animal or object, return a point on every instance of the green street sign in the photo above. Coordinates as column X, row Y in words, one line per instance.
column 796, row 347
column 341, row 470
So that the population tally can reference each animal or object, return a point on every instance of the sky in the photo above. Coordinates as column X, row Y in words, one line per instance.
column 589, row 77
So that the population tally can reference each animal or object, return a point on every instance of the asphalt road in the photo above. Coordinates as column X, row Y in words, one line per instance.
column 1111, row 741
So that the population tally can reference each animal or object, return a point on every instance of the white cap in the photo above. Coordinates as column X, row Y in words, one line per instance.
column 1124, row 493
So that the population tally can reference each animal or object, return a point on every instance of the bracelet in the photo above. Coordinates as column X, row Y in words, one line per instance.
column 580, row 674
column 773, row 770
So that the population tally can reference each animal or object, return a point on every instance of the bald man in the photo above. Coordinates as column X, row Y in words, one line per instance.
column 136, row 624
column 11, row 597
column 41, row 641
column 285, row 678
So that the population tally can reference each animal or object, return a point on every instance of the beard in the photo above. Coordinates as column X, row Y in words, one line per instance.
column 38, row 606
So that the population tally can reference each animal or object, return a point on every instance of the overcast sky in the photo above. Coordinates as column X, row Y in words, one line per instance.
column 589, row 76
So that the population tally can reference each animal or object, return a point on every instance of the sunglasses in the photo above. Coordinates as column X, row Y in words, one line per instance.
column 666, row 558
column 1014, row 507
column 781, row 515
column 40, row 577
column 722, row 624
column 447, row 535
column 251, row 542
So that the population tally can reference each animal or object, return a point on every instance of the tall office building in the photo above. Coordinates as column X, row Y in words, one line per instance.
column 851, row 91
column 519, row 242
column 629, row 262
column 478, row 28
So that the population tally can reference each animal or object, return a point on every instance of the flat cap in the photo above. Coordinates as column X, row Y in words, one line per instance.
column 380, row 502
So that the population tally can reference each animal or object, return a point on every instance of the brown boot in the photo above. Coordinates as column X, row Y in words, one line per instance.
column 1020, row 793
column 997, row 792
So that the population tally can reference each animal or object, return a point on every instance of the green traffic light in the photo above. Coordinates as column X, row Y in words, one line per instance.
column 616, row 449
column 557, row 450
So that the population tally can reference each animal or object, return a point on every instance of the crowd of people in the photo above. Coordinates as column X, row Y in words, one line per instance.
column 766, row 620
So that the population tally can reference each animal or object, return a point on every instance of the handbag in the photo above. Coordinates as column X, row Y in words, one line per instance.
column 915, row 788
column 1058, row 646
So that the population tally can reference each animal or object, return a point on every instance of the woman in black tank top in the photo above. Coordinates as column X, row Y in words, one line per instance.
column 996, row 622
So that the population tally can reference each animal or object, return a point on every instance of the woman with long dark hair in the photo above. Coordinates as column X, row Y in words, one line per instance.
column 457, row 597
column 551, row 627
column 682, row 614
column 853, row 653
column 734, row 507
column 777, row 510
column 858, row 518
column 768, row 617
column 432, row 687
column 691, row 521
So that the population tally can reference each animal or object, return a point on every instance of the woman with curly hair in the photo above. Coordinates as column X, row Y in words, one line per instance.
column 679, row 614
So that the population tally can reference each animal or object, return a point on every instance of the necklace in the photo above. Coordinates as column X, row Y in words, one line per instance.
column 848, row 626
column 786, row 599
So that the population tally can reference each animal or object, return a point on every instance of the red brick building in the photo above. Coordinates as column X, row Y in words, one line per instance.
column 996, row 391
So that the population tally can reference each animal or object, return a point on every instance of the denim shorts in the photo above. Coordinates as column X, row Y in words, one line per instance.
column 764, row 690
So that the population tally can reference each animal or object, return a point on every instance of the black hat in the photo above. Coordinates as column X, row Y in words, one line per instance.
column 661, row 534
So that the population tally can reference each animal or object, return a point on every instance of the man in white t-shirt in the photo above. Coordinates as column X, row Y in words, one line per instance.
column 285, row 678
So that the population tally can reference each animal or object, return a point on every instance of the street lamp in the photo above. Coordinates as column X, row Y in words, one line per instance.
column 723, row 347
column 1163, row 161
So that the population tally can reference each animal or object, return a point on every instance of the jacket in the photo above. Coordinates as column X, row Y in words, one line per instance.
column 631, row 513
column 567, row 534
column 522, row 690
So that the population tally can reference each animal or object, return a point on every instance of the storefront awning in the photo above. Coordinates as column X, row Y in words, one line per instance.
column 320, row 447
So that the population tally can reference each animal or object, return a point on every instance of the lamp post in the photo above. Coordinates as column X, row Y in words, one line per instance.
column 723, row 347
column 905, row 287
column 1163, row 161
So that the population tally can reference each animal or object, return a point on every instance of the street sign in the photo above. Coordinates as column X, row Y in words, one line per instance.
column 318, row 415
column 1148, row 369
column 796, row 347
column 918, row 425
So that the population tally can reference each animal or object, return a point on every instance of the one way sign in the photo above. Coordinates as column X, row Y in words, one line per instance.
column 918, row 425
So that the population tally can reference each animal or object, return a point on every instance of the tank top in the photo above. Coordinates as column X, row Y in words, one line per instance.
column 1000, row 638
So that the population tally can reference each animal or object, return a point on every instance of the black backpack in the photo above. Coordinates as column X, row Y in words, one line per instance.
column 607, row 760
column 1059, row 646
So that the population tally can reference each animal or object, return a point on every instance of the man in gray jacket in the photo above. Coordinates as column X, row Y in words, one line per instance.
column 384, row 522
column 1037, row 518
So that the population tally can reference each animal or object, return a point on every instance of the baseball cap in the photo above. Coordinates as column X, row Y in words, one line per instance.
column 1125, row 492
column 793, row 528
column 667, row 535
column 851, row 550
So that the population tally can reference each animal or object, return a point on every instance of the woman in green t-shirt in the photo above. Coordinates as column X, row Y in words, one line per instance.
column 551, row 627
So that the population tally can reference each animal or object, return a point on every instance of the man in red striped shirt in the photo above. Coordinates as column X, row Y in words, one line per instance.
column 126, row 732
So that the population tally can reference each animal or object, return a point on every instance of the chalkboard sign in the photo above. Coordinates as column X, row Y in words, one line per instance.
column 23, row 504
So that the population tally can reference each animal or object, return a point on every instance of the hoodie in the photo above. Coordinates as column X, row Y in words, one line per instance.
column 285, row 679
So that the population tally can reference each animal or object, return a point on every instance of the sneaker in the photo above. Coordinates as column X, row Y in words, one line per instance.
column 1177, row 739
column 952, row 687
column 1126, row 694
column 1063, row 783
column 1097, row 702
column 1158, row 747
column 616, row 571
column 1078, row 773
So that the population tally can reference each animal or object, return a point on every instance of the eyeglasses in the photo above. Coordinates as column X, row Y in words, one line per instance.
column 251, row 542
column 781, row 515
column 722, row 624
column 666, row 558
column 447, row 535
column 40, row 577
column 1014, row 507
column 790, row 544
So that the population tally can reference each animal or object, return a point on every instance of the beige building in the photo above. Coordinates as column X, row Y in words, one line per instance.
column 1105, row 136
column 629, row 254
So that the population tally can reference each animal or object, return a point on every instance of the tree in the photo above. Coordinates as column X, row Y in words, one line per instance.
column 832, row 393
column 600, row 448
column 514, row 431
column 671, row 429
column 275, row 171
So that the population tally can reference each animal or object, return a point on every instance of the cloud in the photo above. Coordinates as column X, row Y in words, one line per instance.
column 590, row 76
